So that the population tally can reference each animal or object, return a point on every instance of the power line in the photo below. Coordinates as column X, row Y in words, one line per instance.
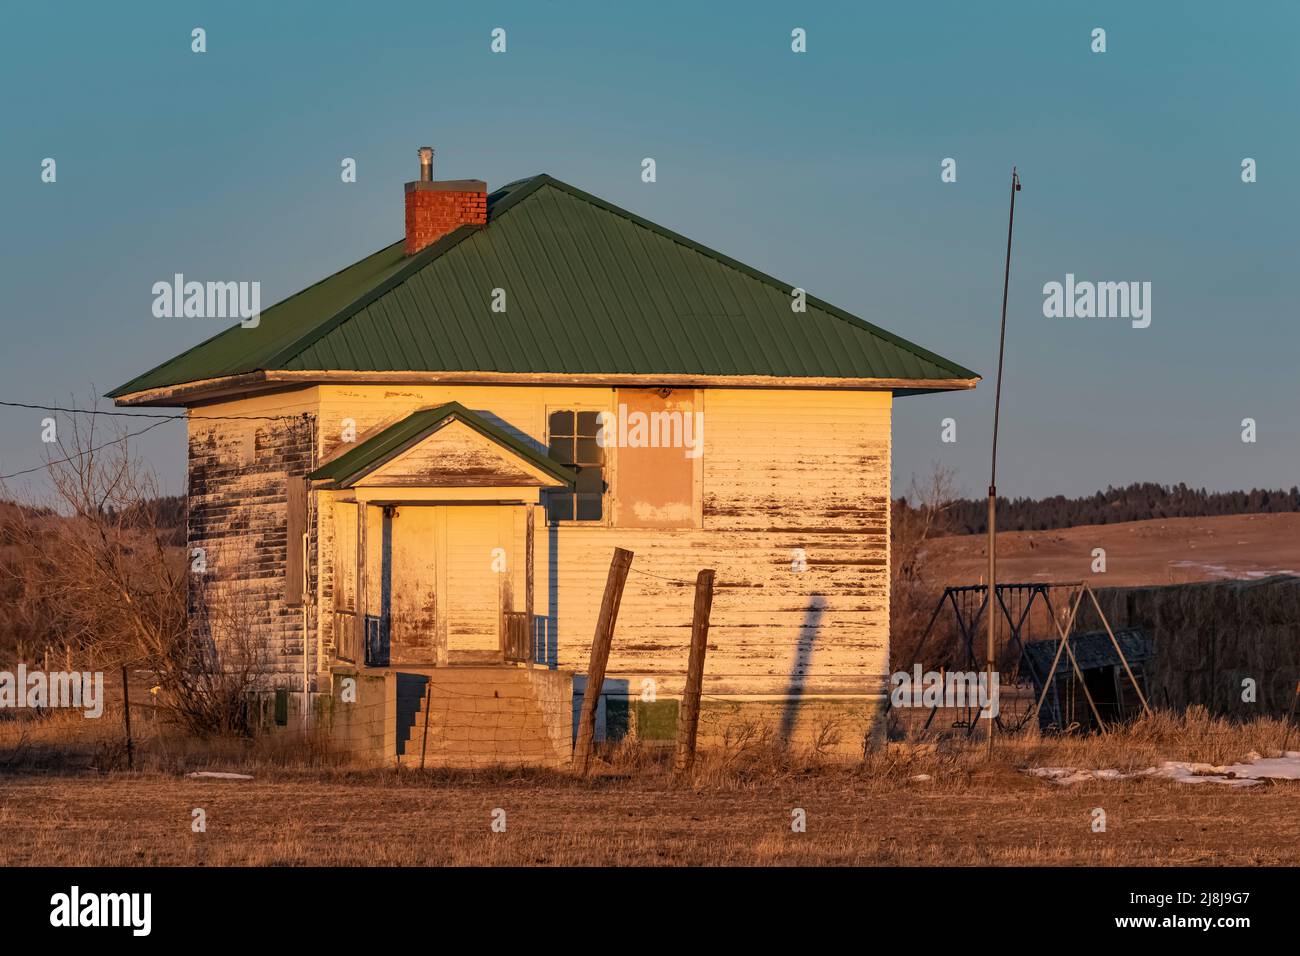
column 651, row 574
column 82, row 454
column 162, row 419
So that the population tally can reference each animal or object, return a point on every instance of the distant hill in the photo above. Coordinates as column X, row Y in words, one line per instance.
column 1142, row 501
column 1156, row 551
column 168, row 513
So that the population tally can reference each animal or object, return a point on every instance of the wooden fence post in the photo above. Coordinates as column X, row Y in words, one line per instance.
column 688, row 717
column 126, row 719
column 618, row 569
column 428, row 706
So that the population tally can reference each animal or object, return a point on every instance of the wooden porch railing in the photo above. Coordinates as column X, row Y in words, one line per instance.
column 376, row 641
column 346, row 646
column 518, row 646
column 517, row 639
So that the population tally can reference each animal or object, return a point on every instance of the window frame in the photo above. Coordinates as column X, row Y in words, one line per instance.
column 608, row 469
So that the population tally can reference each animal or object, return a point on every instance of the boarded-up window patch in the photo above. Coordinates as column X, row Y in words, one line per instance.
column 660, row 438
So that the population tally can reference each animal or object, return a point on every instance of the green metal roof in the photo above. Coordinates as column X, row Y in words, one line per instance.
column 590, row 289
column 414, row 428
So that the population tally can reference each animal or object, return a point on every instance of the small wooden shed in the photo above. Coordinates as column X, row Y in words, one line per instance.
column 1103, row 677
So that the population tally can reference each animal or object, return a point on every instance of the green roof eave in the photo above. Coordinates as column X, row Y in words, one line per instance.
column 372, row 452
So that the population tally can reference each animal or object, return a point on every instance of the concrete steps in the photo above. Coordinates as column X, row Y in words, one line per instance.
column 481, row 717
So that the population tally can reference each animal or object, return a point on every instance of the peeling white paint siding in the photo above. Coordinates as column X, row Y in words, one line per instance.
column 238, row 470
column 782, row 471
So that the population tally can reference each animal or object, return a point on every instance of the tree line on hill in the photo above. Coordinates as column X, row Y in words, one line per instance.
column 1140, row 501
column 166, row 513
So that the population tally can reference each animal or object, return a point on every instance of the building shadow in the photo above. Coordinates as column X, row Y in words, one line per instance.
column 805, row 646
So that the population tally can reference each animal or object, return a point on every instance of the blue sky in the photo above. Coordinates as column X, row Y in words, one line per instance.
column 819, row 168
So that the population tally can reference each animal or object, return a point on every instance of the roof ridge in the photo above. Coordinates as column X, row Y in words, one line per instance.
column 726, row 260
column 527, row 187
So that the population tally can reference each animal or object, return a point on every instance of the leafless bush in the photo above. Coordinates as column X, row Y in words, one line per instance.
column 915, row 585
column 15, row 751
column 96, row 572
column 743, row 738
column 223, row 661
column 827, row 736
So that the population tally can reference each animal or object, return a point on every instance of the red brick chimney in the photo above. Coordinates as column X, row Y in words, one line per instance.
column 434, row 209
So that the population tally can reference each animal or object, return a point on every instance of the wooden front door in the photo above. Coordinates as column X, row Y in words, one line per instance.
column 411, row 572
column 476, row 561
column 452, row 573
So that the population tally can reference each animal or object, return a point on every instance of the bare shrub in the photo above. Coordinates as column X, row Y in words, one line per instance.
column 209, row 675
column 100, row 575
column 743, row 737
column 827, row 736
column 915, row 581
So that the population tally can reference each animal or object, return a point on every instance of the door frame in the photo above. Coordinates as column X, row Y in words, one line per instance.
column 506, row 514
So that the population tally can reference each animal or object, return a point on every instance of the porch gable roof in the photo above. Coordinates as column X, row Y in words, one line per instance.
column 348, row 468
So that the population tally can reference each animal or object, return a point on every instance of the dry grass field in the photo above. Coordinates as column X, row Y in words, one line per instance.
column 735, row 809
column 996, row 817
column 931, row 797
column 1164, row 551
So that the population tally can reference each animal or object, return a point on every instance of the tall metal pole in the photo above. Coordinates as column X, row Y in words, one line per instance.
column 991, row 606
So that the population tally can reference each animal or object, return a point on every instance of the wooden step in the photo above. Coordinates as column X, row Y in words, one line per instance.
column 476, row 716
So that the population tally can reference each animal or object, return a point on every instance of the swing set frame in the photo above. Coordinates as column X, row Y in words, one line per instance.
column 1016, row 603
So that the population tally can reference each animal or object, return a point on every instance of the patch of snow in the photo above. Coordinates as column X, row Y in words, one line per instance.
column 1255, row 769
column 216, row 775
column 1067, row 775
column 1223, row 571
column 1201, row 773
